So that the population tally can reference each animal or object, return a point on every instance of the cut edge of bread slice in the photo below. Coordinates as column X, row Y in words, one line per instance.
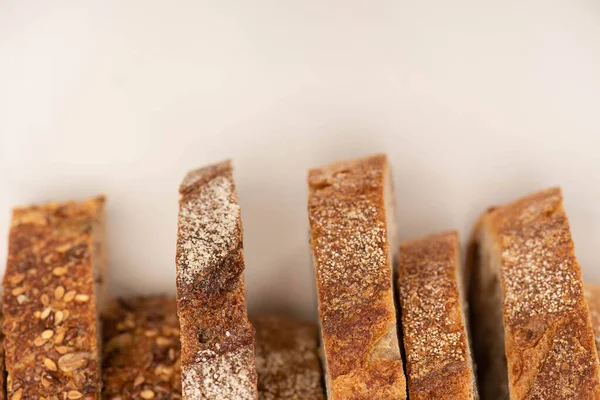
column 343, row 196
column 433, row 315
column 529, row 317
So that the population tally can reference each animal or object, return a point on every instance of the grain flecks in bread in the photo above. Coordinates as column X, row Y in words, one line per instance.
column 53, row 288
column 141, row 349
column 531, row 326
column 436, row 343
column 287, row 361
column 217, row 341
column 351, row 217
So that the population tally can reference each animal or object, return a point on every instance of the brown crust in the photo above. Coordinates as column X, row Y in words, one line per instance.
column 347, row 217
column 592, row 296
column 549, row 341
column 141, row 349
column 217, row 353
column 287, row 360
column 2, row 365
column 49, row 302
column 435, row 336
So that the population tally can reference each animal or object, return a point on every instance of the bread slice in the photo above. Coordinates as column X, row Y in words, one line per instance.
column 436, row 343
column 592, row 295
column 217, row 341
column 352, row 222
column 141, row 349
column 287, row 360
column 53, row 287
column 532, row 333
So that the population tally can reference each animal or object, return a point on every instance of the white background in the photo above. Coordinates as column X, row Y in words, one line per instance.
column 475, row 103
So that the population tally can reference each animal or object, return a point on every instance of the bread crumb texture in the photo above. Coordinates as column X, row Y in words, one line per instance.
column 217, row 354
column 435, row 336
column 549, row 341
column 354, row 284
column 287, row 361
column 49, row 303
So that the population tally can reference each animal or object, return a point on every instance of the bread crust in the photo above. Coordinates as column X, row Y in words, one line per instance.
column 287, row 361
column 592, row 296
column 438, row 358
column 347, row 216
column 217, row 341
column 549, row 342
column 141, row 349
column 49, row 302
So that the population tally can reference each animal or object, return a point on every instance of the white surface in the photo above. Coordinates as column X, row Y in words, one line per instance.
column 474, row 103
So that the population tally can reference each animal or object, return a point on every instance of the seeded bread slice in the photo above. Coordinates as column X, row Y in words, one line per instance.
column 53, row 287
column 353, row 240
column 141, row 349
column 287, row 360
column 531, row 327
column 217, row 341
column 592, row 295
column 436, row 343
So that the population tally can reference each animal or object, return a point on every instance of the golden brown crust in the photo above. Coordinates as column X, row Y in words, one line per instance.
column 549, row 341
column 217, row 349
column 2, row 366
column 349, row 241
column 49, row 302
column 435, row 336
column 287, row 361
column 592, row 296
column 141, row 349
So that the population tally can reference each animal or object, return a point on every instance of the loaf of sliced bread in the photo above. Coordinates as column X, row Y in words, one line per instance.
column 432, row 302
column 353, row 240
column 141, row 349
column 287, row 360
column 53, row 289
column 217, row 340
column 530, row 323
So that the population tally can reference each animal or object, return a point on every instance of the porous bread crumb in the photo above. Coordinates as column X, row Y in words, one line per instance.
column 287, row 361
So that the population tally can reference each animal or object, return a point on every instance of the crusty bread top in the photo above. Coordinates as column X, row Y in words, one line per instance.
column 350, row 246
column 141, row 349
column 217, row 341
column 287, row 361
column 435, row 337
column 592, row 296
column 549, row 342
column 49, row 302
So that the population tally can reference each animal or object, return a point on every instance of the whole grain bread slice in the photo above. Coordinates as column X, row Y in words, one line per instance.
column 531, row 327
column 53, row 288
column 287, row 360
column 433, row 306
column 141, row 349
column 217, row 341
column 353, row 240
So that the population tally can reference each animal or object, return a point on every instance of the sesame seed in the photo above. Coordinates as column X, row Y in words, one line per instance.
column 70, row 295
column 51, row 365
column 47, row 334
column 82, row 298
column 74, row 394
column 59, row 271
column 147, row 394
column 59, row 292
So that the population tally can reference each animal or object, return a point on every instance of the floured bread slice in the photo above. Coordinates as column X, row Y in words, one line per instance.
column 141, row 349
column 436, row 343
column 287, row 361
column 592, row 295
column 53, row 288
column 217, row 341
column 530, row 323
column 351, row 215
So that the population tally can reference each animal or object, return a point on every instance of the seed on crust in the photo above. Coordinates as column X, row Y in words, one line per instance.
column 147, row 394
column 59, row 292
column 82, row 298
column 72, row 361
column 70, row 295
column 51, row 365
column 59, row 271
